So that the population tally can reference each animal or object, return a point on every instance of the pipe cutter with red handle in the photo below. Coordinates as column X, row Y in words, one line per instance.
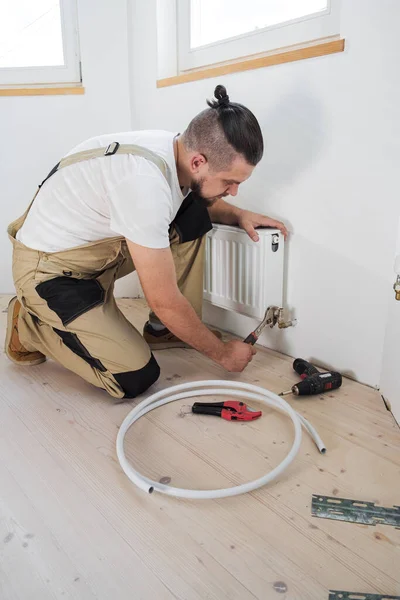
column 230, row 410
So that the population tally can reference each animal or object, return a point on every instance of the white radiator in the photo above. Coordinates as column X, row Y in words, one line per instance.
column 243, row 275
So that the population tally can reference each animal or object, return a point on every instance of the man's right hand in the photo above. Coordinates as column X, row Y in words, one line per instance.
column 157, row 275
column 236, row 356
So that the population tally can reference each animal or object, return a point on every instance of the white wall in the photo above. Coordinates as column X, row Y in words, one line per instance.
column 332, row 133
column 390, row 383
column 37, row 131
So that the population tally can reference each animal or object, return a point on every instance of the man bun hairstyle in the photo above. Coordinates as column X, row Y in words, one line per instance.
column 222, row 98
column 223, row 130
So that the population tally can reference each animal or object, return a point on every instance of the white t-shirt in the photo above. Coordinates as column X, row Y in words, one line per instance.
column 103, row 197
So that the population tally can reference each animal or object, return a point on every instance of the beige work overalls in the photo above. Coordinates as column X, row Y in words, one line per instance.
column 68, row 310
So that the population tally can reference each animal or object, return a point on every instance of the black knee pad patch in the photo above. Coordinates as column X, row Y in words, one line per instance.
column 134, row 383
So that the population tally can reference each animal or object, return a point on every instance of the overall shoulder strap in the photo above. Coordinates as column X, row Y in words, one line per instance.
column 110, row 150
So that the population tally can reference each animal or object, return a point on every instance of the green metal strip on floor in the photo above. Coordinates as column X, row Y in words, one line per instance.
column 354, row 511
column 336, row 595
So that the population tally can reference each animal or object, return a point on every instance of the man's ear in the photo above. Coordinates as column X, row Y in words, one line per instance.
column 197, row 161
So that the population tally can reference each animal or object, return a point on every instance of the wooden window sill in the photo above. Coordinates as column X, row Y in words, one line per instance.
column 41, row 91
column 277, row 57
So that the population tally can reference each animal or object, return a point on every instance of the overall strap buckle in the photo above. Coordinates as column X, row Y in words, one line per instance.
column 111, row 148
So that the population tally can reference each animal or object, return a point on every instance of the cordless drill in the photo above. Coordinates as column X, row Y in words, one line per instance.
column 313, row 381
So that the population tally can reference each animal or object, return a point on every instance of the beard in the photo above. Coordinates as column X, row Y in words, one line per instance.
column 197, row 189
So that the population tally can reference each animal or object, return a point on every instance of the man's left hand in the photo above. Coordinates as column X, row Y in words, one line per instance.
column 250, row 220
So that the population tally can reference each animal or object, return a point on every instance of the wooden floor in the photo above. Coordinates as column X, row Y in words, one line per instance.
column 73, row 526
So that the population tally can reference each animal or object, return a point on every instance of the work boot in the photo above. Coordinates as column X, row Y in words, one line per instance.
column 13, row 347
column 163, row 339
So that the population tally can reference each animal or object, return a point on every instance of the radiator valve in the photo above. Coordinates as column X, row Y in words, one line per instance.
column 396, row 287
column 283, row 321
column 280, row 318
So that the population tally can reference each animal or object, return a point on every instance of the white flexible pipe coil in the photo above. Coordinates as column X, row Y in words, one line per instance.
column 213, row 388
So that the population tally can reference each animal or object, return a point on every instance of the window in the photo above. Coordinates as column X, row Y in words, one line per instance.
column 213, row 31
column 38, row 42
